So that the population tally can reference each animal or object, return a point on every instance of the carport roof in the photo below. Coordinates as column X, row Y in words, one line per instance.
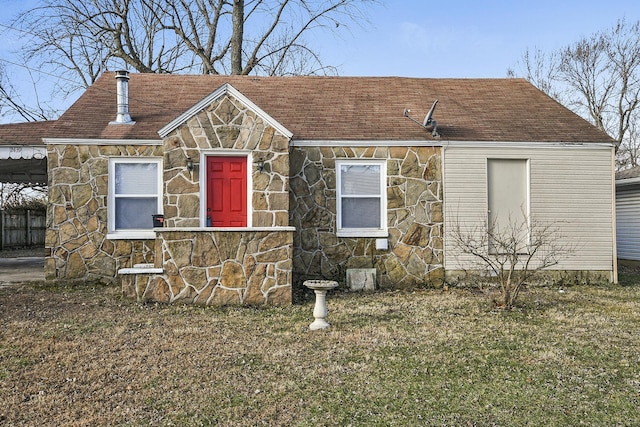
column 23, row 155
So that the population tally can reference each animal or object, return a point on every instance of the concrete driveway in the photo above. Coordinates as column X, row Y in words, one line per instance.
column 22, row 269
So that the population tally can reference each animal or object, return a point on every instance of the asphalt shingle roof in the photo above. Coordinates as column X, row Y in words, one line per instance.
column 29, row 133
column 338, row 108
column 628, row 173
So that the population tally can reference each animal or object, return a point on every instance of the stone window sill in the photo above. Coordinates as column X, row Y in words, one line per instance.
column 226, row 229
column 131, row 235
column 362, row 233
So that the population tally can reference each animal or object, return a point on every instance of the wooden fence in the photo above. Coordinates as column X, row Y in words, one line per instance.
column 22, row 229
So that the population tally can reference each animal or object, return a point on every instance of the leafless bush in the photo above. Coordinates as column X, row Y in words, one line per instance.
column 511, row 255
column 23, row 197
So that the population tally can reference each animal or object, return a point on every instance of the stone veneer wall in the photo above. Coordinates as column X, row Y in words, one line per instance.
column 218, row 268
column 226, row 125
column 414, row 217
column 76, row 245
column 76, row 242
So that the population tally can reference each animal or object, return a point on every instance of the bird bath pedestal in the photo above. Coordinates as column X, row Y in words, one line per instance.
column 320, row 287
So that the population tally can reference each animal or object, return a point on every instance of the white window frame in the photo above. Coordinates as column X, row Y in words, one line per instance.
column 145, row 233
column 362, row 232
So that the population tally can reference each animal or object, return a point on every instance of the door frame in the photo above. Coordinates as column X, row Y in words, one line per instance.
column 203, row 182
column 527, row 194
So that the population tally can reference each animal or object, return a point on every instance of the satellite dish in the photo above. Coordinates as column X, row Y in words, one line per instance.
column 428, row 118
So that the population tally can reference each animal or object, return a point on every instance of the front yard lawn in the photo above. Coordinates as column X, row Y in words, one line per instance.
column 86, row 356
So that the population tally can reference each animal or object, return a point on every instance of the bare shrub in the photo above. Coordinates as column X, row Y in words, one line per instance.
column 509, row 256
column 15, row 197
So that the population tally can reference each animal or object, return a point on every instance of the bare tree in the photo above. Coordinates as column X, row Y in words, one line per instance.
column 80, row 39
column 541, row 69
column 598, row 77
column 23, row 196
column 13, row 106
column 85, row 37
column 512, row 255
column 629, row 149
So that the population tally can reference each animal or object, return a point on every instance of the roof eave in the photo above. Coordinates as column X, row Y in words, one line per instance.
column 364, row 143
column 627, row 181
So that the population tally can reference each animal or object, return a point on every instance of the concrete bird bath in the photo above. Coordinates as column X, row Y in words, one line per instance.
column 320, row 287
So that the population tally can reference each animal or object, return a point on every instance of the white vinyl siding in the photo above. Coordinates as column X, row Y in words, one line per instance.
column 628, row 222
column 570, row 187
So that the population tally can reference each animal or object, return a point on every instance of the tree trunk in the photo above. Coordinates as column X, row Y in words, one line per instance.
column 237, row 36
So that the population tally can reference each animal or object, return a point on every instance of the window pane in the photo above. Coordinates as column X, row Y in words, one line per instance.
column 135, row 213
column 360, row 180
column 361, row 212
column 136, row 178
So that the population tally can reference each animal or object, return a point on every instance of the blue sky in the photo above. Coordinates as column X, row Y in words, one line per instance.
column 464, row 38
column 424, row 38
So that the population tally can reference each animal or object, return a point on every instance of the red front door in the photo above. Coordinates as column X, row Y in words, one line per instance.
column 227, row 191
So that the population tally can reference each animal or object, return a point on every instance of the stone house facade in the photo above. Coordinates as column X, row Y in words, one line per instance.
column 265, row 182
column 414, row 216
column 184, row 261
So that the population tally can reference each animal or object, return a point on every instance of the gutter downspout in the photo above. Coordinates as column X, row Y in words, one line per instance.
column 443, row 150
column 614, row 277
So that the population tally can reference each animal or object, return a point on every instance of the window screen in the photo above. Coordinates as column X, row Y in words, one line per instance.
column 135, row 194
column 361, row 192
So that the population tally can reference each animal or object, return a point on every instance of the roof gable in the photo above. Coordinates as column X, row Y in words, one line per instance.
column 225, row 89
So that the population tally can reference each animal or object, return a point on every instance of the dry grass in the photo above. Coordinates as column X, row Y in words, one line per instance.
column 85, row 356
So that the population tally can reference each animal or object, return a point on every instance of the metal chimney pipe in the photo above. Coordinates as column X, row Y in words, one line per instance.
column 122, row 91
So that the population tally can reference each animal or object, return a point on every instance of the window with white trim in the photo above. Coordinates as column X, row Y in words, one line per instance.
column 135, row 194
column 361, row 198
